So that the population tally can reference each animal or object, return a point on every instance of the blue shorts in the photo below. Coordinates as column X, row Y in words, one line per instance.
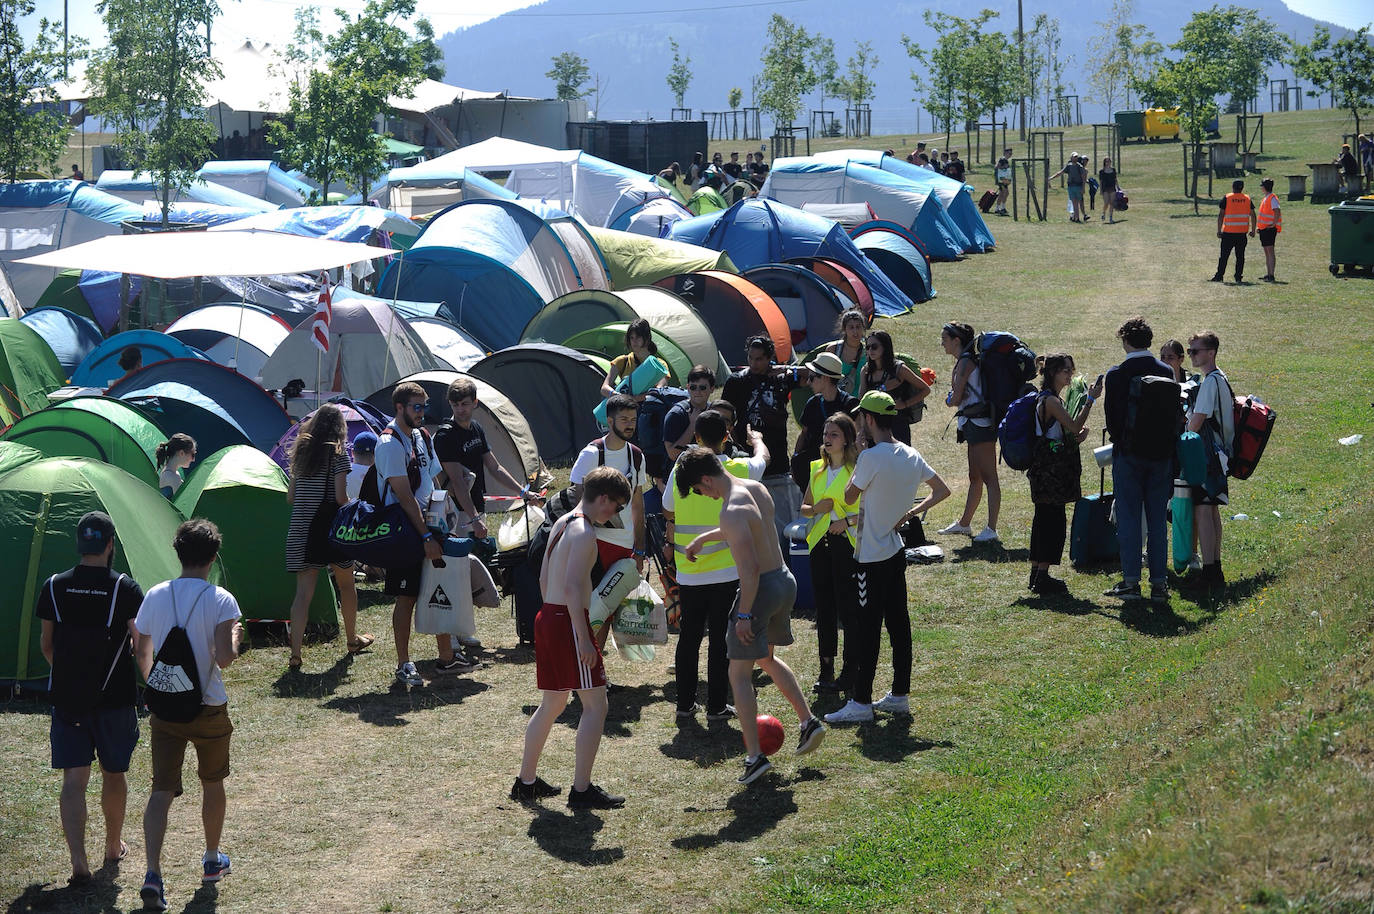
column 1075, row 191
column 111, row 734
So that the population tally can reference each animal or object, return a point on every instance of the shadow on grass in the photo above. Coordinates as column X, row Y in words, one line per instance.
column 627, row 704
column 27, row 701
column 891, row 740
column 301, row 684
column 1066, row 604
column 100, row 894
column 1165, row 622
column 571, row 837
column 520, row 654
column 703, row 746
column 756, row 810
column 205, row 901
column 386, row 709
column 990, row 552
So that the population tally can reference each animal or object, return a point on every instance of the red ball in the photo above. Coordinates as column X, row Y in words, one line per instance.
column 770, row 734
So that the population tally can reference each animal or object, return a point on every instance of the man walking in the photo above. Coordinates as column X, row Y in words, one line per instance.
column 87, row 616
column 1237, row 215
column 1213, row 417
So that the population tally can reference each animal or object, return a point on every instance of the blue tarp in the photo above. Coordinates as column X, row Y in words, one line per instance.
column 233, row 397
column 337, row 223
column 200, row 213
column 78, row 196
column 101, row 366
column 71, row 337
column 898, row 255
column 758, row 231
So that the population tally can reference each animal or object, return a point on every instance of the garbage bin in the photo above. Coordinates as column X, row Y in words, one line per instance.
column 1130, row 125
column 1352, row 235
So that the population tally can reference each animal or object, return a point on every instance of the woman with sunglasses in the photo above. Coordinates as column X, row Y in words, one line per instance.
column 976, row 429
column 890, row 374
column 831, row 538
column 851, row 351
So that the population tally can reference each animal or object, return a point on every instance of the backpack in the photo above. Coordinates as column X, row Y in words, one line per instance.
column 564, row 502
column 1016, row 432
column 1005, row 364
column 85, row 646
column 173, row 692
column 1254, row 425
column 1154, row 417
column 370, row 490
column 652, row 411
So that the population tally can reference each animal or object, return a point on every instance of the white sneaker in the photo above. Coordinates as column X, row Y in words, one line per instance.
column 893, row 704
column 1195, row 562
column 955, row 527
column 851, row 713
column 986, row 535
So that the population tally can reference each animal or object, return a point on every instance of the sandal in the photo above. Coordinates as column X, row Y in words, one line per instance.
column 294, row 663
column 360, row 644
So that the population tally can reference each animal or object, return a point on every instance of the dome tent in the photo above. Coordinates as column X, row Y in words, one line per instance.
column 414, row 191
column 355, row 423
column 810, row 304
column 28, row 371
column 236, row 399
column 452, row 348
column 71, row 337
column 212, row 429
column 555, row 388
column 899, row 256
column 96, row 427
column 101, row 368
column 608, row 341
column 237, row 336
column 735, row 309
column 635, row 260
column 843, row 279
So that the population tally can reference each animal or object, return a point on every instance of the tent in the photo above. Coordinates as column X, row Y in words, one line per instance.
column 40, row 504
column 260, row 178
column 845, row 281
column 759, row 231
column 846, row 214
column 28, row 371
column 355, row 423
column 100, row 428
column 705, row 199
column 244, row 493
column 735, row 309
column 415, row 191
column 230, row 395
column 634, row 260
column 370, row 346
column 14, row 455
column 362, row 224
column 71, row 337
column 646, row 211
column 237, row 336
column 810, row 305
column 139, row 187
column 608, row 341
column 101, row 368
column 801, row 180
column 212, row 430
column 203, row 213
column 453, row 349
column 9, row 302
column 555, row 388
column 899, row 256
column 508, row 433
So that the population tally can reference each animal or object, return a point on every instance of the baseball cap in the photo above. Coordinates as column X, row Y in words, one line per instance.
column 365, row 442
column 828, row 364
column 878, row 403
column 94, row 532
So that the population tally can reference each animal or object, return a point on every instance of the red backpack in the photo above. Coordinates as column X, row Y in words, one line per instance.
column 1254, row 424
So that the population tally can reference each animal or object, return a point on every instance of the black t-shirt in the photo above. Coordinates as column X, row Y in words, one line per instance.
column 813, row 419
column 675, row 422
column 89, row 644
column 468, row 446
column 761, row 401
column 955, row 170
column 733, row 169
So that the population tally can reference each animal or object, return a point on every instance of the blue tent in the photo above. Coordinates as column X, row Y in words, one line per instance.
column 101, row 366
column 70, row 336
column 337, row 223
column 230, row 395
column 898, row 255
column 758, row 231
column 261, row 178
column 201, row 213
column 138, row 187
column 212, row 431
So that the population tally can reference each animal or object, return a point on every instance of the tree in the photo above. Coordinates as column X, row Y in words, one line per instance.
column 32, row 136
column 1344, row 68
column 569, row 72
column 736, row 96
column 1113, row 51
column 679, row 74
column 824, row 66
column 954, row 91
column 857, row 84
column 1255, row 44
column 151, row 80
column 788, row 73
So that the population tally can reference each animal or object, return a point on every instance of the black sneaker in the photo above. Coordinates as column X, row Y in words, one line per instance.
column 725, row 713
column 1047, row 586
column 1123, row 591
column 811, row 736
column 594, row 798
column 1159, row 594
column 459, row 664
column 1217, row 278
column 754, row 770
column 533, row 793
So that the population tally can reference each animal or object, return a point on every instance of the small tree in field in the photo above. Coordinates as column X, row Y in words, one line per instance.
column 569, row 72
column 1344, row 67
column 736, row 96
column 679, row 74
column 30, row 136
column 787, row 71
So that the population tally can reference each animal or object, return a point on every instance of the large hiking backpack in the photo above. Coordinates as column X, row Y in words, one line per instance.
column 1005, row 364
column 1154, row 417
column 1254, row 424
column 1016, row 432
column 649, row 428
column 173, row 692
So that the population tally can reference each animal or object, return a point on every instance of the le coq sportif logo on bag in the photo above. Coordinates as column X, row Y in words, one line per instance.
column 440, row 599
column 170, row 679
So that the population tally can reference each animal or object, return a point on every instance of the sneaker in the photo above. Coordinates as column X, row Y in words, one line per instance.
column 826, row 685
column 459, row 664
column 216, row 867
column 1217, row 278
column 688, row 713
column 811, row 736
column 954, row 528
column 755, row 769
column 1159, row 594
column 893, row 704
column 470, row 644
column 406, row 674
column 1123, row 590
column 851, row 713
column 1047, row 586
column 594, row 798
column 986, row 535
column 725, row 713
column 1195, row 562
column 153, row 897
column 533, row 793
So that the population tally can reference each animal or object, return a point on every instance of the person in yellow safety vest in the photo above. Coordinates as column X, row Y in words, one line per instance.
column 1237, row 214
column 831, row 540
column 1270, row 223
column 707, row 585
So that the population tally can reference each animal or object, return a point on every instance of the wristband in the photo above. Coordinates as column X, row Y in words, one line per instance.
column 639, row 553
column 744, row 617
column 1090, row 398
column 427, row 537
column 525, row 491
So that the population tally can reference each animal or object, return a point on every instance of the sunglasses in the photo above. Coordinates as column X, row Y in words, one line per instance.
column 698, row 386
column 1192, row 351
column 418, row 406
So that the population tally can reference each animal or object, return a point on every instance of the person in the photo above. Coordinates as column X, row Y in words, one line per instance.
column 851, row 350
column 566, row 656
column 1055, row 469
column 77, row 173
column 1171, row 354
column 1350, row 171
column 924, row 162
column 706, row 585
column 1237, row 211
column 976, row 428
column 1077, row 180
column 173, row 456
column 1109, row 184
column 944, row 168
column 1002, row 173
column 640, row 344
column 364, row 455
column 831, row 539
column 887, row 476
column 87, row 620
column 318, row 487
column 680, row 422
column 695, row 171
column 616, row 450
column 1143, row 486
column 1268, row 222
column 1213, row 417
column 733, row 167
column 955, row 168
column 210, row 617
column 130, row 362
column 758, row 170
column 466, row 458
column 887, row 372
column 763, row 607
column 406, row 467
column 827, row 398
column 1366, row 148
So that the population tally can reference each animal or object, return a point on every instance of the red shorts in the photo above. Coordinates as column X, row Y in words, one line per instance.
column 556, row 666
column 610, row 553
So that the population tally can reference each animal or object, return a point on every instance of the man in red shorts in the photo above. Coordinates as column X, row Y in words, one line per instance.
column 566, row 657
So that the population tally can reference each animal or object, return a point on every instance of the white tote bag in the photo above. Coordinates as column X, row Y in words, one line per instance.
column 444, row 606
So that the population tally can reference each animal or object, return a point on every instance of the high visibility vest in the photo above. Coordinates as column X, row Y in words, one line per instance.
column 835, row 490
column 1270, row 216
column 1236, row 217
column 694, row 515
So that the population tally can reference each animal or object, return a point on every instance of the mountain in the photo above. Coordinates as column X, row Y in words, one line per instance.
column 629, row 50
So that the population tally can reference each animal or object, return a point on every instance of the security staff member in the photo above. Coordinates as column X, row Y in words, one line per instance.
column 1237, row 214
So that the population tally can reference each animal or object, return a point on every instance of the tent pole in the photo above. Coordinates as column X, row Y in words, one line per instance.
column 238, row 337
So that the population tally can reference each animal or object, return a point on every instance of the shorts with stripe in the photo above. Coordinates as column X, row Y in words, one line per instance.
column 557, row 667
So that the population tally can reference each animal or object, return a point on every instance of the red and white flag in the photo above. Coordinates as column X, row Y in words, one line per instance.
column 324, row 312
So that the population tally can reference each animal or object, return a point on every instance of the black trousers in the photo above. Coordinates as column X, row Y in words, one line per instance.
column 882, row 602
column 1232, row 241
column 837, row 596
column 705, row 613
column 1048, row 527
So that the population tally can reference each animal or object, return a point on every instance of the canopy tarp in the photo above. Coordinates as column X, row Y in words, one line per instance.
column 431, row 94
column 555, row 388
column 235, row 398
column 96, row 427
column 71, row 337
column 735, row 309
column 899, row 256
column 101, row 367
column 28, row 371
column 636, row 260
column 237, row 336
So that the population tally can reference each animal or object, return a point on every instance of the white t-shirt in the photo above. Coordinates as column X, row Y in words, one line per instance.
column 392, row 455
column 889, row 474
column 756, row 466
column 621, row 460
column 212, row 605
column 1214, row 399
column 354, row 483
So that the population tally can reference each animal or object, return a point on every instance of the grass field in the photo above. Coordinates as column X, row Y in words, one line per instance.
column 1062, row 756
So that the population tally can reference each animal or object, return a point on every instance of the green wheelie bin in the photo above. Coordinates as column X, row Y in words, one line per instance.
column 1352, row 235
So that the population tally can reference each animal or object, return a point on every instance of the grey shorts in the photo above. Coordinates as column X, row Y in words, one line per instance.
column 772, row 612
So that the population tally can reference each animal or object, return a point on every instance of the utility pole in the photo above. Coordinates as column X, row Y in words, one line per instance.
column 1021, row 47
column 66, row 49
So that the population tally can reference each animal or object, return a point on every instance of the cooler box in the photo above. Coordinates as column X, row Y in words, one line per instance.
column 799, row 561
column 1352, row 234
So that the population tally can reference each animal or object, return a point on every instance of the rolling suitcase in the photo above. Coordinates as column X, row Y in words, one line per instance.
column 1092, row 536
column 985, row 202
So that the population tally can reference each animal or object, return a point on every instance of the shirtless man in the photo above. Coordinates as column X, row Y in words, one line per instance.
column 566, row 657
column 763, row 606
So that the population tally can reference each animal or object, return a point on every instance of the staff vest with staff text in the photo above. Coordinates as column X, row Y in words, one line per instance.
column 1269, row 215
column 1236, row 217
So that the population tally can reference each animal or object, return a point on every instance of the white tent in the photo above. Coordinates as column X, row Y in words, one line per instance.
column 451, row 347
column 240, row 336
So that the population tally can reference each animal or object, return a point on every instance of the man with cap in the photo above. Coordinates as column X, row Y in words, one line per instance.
column 888, row 476
column 827, row 372
column 87, row 615
column 364, row 455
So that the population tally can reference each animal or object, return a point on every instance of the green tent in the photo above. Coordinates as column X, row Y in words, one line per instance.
column 705, row 200
column 13, row 456
column 104, row 429
column 608, row 341
column 243, row 491
column 40, row 504
column 671, row 187
column 638, row 260
column 65, row 292
column 28, row 371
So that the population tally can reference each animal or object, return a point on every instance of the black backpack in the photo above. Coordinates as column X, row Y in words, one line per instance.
column 1005, row 364
column 1154, row 417
column 173, row 692
column 371, row 491
column 649, row 428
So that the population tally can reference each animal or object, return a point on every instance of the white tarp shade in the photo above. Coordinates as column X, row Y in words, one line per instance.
column 431, row 94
